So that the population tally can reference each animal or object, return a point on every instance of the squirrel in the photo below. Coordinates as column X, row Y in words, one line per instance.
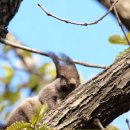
column 67, row 79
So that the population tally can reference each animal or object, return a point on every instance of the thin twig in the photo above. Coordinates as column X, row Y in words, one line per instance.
column 120, row 24
column 76, row 23
column 99, row 124
column 89, row 65
column 9, row 43
column 128, row 124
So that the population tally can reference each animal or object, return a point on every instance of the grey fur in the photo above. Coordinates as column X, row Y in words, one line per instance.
column 66, row 81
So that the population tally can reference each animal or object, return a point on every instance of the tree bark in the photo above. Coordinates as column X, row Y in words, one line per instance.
column 104, row 97
column 8, row 8
column 123, row 8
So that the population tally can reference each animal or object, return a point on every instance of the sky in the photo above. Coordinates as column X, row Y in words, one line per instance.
column 89, row 44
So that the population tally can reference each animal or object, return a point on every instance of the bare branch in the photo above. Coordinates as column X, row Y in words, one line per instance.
column 120, row 24
column 9, row 43
column 76, row 23
column 90, row 65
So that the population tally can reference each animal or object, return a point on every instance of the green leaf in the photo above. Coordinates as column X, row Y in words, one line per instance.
column 12, row 97
column 48, row 71
column 27, row 54
column 2, row 106
column 38, row 115
column 53, row 73
column 7, row 49
column 9, row 74
column 128, row 35
column 33, row 81
column 20, row 125
column 43, row 68
column 42, row 112
column 117, row 39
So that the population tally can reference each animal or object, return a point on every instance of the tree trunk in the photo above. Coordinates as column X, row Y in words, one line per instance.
column 123, row 8
column 8, row 8
column 104, row 97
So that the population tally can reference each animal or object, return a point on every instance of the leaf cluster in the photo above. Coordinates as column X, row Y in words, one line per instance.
column 21, row 72
column 34, row 123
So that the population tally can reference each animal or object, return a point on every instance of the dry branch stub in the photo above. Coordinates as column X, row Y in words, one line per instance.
column 104, row 97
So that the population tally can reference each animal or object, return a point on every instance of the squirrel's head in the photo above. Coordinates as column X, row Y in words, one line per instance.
column 66, row 69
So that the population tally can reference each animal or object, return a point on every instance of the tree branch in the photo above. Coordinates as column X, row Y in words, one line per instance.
column 104, row 97
column 121, row 25
column 122, row 8
column 76, row 23
column 9, row 43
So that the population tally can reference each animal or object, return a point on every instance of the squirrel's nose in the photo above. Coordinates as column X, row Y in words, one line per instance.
column 72, row 81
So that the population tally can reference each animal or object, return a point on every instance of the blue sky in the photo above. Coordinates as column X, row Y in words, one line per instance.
column 89, row 44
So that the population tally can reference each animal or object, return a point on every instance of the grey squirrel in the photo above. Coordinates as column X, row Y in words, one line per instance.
column 67, row 79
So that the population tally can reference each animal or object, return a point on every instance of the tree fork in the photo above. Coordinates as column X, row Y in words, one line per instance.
column 104, row 97
column 122, row 12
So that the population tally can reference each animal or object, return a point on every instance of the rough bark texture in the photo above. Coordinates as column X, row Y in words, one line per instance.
column 8, row 8
column 123, row 8
column 104, row 97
